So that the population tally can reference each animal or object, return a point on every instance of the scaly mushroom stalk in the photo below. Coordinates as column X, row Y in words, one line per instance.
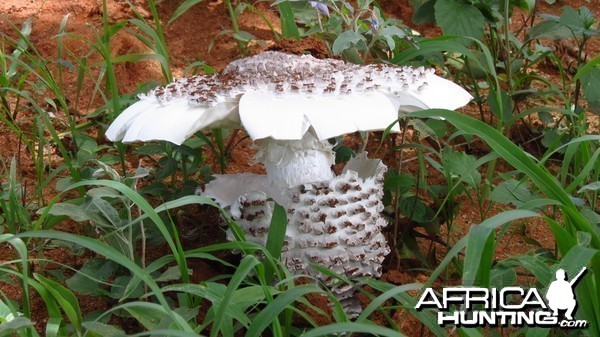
column 291, row 105
column 334, row 222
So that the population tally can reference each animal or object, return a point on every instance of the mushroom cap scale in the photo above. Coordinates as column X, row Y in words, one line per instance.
column 332, row 96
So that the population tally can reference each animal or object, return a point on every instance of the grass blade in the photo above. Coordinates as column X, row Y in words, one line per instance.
column 273, row 309
column 289, row 29
column 66, row 299
column 246, row 266
column 110, row 253
column 184, row 7
column 522, row 161
column 365, row 328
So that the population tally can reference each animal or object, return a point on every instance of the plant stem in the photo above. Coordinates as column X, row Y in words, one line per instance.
column 507, row 56
column 235, row 26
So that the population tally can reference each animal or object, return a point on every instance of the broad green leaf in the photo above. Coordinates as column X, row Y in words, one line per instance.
column 172, row 273
column 552, row 138
column 150, row 149
column 423, row 129
column 89, row 279
column 439, row 127
column 588, row 18
column 72, row 211
column 345, row 40
column 391, row 32
column 434, row 46
column 570, row 18
column 552, row 30
column 167, row 167
column 591, row 216
column 103, row 192
column 423, row 11
column 403, row 181
column 415, row 208
column 500, row 106
column 15, row 325
column 94, row 208
column 539, row 203
column 149, row 319
column 97, row 329
column 594, row 107
column 590, row 82
column 459, row 18
column 186, row 150
column 587, row 67
column 461, row 165
column 5, row 312
column 583, row 239
column 251, row 295
column 120, row 288
column 513, row 192
column 527, row 5
column 102, row 212
column 343, row 154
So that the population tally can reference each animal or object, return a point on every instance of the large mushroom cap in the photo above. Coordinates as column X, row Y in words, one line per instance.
column 281, row 96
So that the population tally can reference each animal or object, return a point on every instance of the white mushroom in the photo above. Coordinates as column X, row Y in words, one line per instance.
column 291, row 105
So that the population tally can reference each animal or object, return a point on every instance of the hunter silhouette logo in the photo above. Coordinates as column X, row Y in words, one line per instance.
column 509, row 306
column 560, row 294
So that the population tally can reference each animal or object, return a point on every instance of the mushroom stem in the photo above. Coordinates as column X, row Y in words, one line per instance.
column 291, row 163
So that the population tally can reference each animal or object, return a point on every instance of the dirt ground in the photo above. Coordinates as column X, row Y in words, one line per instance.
column 193, row 37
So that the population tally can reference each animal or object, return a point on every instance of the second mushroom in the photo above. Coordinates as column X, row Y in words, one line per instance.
column 290, row 105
